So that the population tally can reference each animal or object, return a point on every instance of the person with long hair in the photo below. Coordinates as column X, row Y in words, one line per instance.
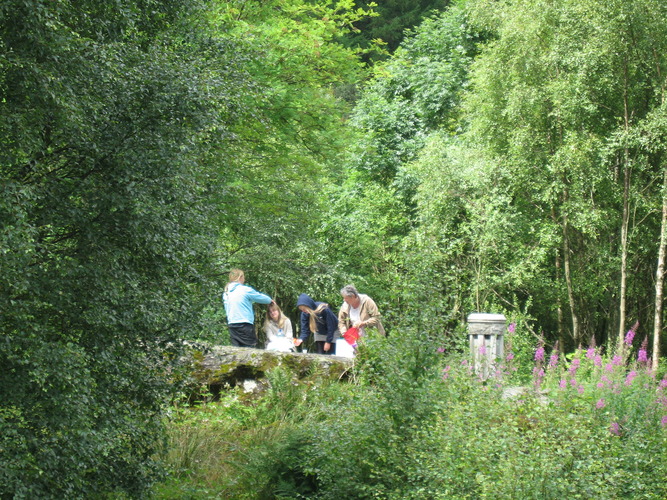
column 238, row 299
column 317, row 318
column 278, row 329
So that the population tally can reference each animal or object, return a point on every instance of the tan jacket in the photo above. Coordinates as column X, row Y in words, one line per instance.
column 368, row 312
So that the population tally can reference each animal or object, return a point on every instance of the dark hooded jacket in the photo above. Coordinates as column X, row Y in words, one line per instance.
column 326, row 320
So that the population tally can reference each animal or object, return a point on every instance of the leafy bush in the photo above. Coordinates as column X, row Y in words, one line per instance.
column 416, row 423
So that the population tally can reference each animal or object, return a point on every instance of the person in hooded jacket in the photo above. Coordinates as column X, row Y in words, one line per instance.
column 317, row 318
column 238, row 299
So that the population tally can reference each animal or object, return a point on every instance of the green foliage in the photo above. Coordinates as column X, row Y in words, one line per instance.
column 417, row 91
column 416, row 423
column 107, row 235
column 392, row 20
column 287, row 151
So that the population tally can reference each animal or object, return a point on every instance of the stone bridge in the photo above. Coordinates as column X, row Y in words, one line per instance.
column 220, row 367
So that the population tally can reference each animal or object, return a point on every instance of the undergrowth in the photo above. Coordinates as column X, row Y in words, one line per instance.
column 416, row 423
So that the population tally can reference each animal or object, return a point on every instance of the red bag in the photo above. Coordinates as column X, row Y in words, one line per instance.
column 351, row 335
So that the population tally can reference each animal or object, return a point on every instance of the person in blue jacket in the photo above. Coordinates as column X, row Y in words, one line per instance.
column 317, row 318
column 238, row 299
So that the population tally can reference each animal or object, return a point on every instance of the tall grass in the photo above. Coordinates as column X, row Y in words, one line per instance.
column 416, row 423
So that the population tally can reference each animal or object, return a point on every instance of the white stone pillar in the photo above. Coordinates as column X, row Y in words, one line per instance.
column 486, row 336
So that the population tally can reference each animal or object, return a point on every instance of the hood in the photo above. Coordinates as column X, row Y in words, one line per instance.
column 232, row 286
column 305, row 300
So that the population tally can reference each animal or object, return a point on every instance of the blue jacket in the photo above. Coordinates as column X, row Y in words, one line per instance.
column 238, row 300
column 327, row 321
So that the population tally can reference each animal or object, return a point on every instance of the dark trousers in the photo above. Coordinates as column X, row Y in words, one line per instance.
column 319, row 345
column 242, row 334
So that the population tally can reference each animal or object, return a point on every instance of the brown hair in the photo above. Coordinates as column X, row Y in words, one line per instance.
column 281, row 320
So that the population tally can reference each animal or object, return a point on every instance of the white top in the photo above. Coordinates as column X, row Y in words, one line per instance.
column 273, row 332
column 355, row 317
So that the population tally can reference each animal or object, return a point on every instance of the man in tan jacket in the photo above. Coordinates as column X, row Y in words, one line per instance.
column 358, row 310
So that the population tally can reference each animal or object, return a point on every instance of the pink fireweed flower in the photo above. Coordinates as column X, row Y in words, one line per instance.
column 509, row 357
column 573, row 383
column 562, row 384
column 441, row 349
column 553, row 360
column 663, row 383
column 629, row 337
column 600, row 385
column 590, row 353
column 574, row 366
column 581, row 389
column 600, row 404
column 617, row 360
column 482, row 350
column 615, row 428
column 664, row 421
column 539, row 354
column 631, row 376
column 609, row 367
column 598, row 360
column 538, row 375
column 511, row 327
column 445, row 372
column 642, row 356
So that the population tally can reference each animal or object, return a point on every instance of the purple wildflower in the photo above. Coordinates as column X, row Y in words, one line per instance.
column 617, row 360
column 482, row 350
column 664, row 421
column 663, row 383
column 598, row 360
column 538, row 375
column 441, row 349
column 574, row 366
column 615, row 428
column 510, row 356
column 539, row 353
column 562, row 384
column 553, row 360
column 629, row 337
column 511, row 327
column 642, row 356
column 445, row 372
column 631, row 376
column 600, row 404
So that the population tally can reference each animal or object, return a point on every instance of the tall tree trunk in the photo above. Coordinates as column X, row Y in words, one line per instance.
column 576, row 334
column 559, row 305
column 660, row 276
column 626, row 214
column 624, row 252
